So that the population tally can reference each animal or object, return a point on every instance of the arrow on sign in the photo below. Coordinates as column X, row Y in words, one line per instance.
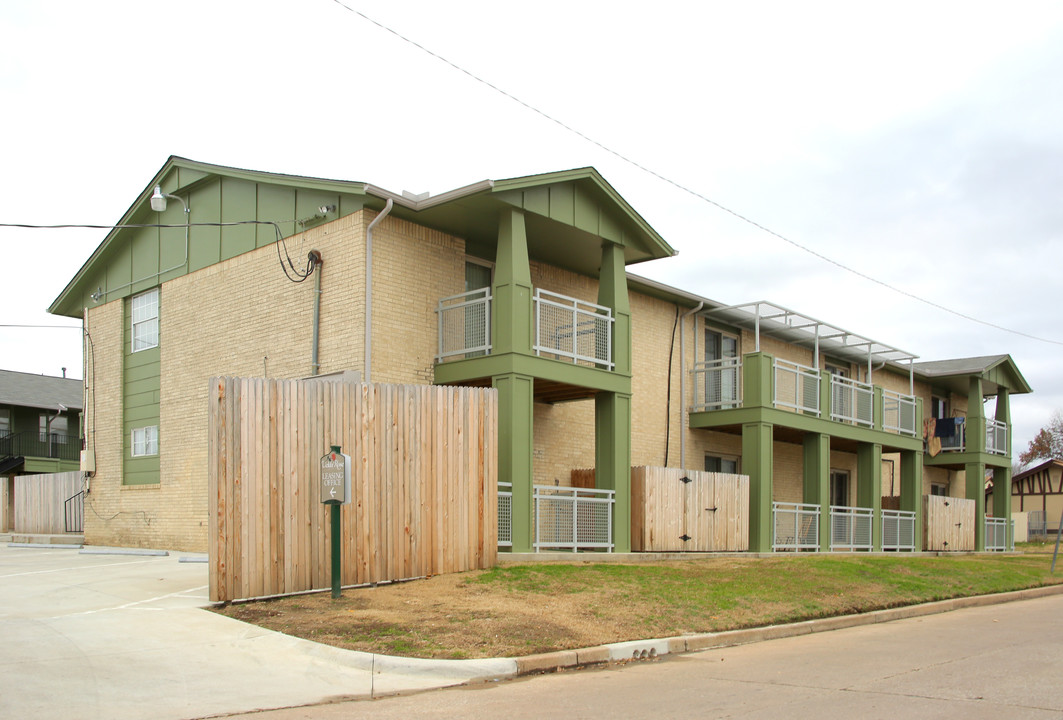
column 332, row 492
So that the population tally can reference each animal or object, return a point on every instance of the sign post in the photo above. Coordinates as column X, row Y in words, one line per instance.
column 336, row 491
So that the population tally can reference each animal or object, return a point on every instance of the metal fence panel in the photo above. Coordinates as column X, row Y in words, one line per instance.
column 717, row 384
column 898, row 530
column 573, row 330
column 898, row 413
column 850, row 528
column 797, row 387
column 505, row 514
column 464, row 325
column 573, row 518
column 795, row 526
column 852, row 401
column 996, row 534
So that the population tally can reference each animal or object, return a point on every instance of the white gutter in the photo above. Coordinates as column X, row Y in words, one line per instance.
column 683, row 383
column 369, row 290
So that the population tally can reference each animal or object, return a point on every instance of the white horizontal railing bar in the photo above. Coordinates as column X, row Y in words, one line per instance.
column 852, row 401
column 464, row 324
column 795, row 526
column 572, row 320
column 898, row 530
column 717, row 383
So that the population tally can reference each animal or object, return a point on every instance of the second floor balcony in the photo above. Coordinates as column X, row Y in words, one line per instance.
column 952, row 432
column 804, row 390
column 564, row 328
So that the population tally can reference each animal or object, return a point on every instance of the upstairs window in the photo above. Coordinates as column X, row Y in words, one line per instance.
column 721, row 464
column 145, row 311
column 145, row 441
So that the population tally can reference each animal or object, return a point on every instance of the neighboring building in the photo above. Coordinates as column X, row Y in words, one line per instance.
column 1039, row 492
column 40, row 423
column 517, row 284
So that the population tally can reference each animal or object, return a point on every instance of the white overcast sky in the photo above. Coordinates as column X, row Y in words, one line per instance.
column 920, row 143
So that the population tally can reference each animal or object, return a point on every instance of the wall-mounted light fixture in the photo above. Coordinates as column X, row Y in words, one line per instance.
column 158, row 200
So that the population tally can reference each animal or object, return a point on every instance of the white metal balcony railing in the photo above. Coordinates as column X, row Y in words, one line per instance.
column 898, row 413
column 996, row 437
column 852, row 401
column 717, row 384
column 850, row 528
column 957, row 441
column 996, row 534
column 573, row 330
column 797, row 387
column 505, row 514
column 795, row 526
column 464, row 325
column 573, row 518
column 898, row 530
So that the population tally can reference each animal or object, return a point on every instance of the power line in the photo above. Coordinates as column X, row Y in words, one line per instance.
column 53, row 327
column 686, row 189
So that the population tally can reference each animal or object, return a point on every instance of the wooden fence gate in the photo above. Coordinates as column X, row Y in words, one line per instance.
column 39, row 503
column 949, row 523
column 688, row 510
column 424, row 482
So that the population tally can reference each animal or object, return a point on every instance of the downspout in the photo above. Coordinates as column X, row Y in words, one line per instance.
column 683, row 383
column 368, row 364
column 315, row 364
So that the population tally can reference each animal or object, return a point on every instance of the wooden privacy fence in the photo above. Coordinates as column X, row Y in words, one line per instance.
column 39, row 502
column 688, row 510
column 948, row 523
column 424, row 464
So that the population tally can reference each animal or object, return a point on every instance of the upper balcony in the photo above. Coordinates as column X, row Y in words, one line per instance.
column 806, row 391
column 565, row 328
column 952, row 432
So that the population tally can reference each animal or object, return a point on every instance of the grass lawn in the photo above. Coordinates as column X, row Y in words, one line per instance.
column 524, row 609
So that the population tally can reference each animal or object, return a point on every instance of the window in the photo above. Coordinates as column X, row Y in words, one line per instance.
column 718, row 464
column 5, row 422
column 145, row 441
column 939, row 407
column 721, row 376
column 145, row 328
column 938, row 489
column 58, row 428
column 839, row 488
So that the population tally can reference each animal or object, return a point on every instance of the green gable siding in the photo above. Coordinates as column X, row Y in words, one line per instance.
column 141, row 397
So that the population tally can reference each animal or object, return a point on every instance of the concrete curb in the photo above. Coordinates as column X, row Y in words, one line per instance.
column 650, row 649
column 96, row 550
column 45, row 546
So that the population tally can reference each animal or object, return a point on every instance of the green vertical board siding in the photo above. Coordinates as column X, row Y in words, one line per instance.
column 205, row 245
column 238, row 203
column 144, row 257
column 141, row 395
column 276, row 204
column 561, row 203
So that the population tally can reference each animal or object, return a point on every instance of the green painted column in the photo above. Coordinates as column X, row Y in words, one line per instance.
column 825, row 390
column 975, row 417
column 515, row 398
column 612, row 293
column 612, row 460
column 975, row 481
column 511, row 316
column 912, row 489
column 817, row 482
column 757, row 388
column 869, row 487
column 757, row 459
column 878, row 409
column 1002, row 476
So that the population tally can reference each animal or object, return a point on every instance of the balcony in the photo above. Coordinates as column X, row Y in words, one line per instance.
column 33, row 444
column 796, row 388
column 954, row 439
column 565, row 329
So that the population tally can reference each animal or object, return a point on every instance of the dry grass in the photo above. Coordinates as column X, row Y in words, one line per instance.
column 525, row 609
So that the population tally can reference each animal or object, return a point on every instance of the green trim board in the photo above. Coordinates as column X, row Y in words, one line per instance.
column 141, row 400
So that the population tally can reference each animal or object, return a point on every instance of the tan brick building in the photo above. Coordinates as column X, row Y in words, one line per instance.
column 260, row 274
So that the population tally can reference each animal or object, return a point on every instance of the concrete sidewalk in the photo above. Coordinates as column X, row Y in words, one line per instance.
column 124, row 636
column 90, row 635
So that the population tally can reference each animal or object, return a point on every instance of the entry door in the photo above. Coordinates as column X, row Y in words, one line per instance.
column 721, row 385
column 839, row 488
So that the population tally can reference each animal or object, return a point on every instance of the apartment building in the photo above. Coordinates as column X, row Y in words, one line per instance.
column 517, row 284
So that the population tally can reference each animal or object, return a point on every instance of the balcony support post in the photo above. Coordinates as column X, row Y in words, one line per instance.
column 757, row 459
column 612, row 460
column 975, row 482
column 869, row 487
column 612, row 293
column 515, row 416
column 1002, row 476
column 511, row 319
column 976, row 428
column 817, row 482
column 912, row 489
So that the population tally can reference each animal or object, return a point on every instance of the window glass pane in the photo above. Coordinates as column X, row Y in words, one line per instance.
column 5, row 421
column 144, row 309
column 145, row 441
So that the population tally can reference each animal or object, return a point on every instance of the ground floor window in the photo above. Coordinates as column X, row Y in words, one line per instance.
column 721, row 464
column 145, row 441
column 938, row 489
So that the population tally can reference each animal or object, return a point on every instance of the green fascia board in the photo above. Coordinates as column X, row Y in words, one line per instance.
column 40, row 466
column 456, row 372
column 957, row 460
column 615, row 220
column 890, row 442
column 192, row 174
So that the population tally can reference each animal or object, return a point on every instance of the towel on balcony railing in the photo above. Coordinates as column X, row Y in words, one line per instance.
column 945, row 429
column 933, row 443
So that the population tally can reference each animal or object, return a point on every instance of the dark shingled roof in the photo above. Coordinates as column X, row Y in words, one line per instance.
column 39, row 391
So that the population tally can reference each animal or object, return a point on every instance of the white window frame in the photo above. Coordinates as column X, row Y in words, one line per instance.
column 724, row 459
column 5, row 422
column 144, row 320
column 144, row 441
